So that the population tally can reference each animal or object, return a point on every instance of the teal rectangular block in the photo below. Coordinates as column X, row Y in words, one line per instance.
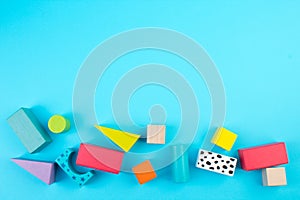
column 29, row 130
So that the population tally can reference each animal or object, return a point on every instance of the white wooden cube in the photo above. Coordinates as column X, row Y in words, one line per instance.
column 274, row 176
column 156, row 134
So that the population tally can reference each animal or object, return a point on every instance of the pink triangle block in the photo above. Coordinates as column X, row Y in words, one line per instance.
column 44, row 171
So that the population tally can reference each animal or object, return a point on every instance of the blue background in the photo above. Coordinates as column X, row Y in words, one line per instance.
column 254, row 45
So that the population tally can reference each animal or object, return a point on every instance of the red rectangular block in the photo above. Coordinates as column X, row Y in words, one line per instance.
column 263, row 156
column 99, row 158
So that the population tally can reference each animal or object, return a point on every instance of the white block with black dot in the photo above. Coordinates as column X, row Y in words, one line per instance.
column 216, row 162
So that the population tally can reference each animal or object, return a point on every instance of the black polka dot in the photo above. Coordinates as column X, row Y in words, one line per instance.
column 231, row 166
column 198, row 163
column 205, row 156
column 223, row 171
column 209, row 152
column 212, row 157
column 202, row 152
column 219, row 156
column 222, row 160
column 230, row 172
column 218, row 167
column 202, row 165
column 227, row 161
column 232, row 159
column 224, row 167
column 212, row 168
column 208, row 163
column 216, row 162
column 201, row 160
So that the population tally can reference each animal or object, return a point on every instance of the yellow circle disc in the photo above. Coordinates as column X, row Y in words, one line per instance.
column 58, row 124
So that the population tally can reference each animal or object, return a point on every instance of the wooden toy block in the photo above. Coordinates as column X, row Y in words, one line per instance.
column 224, row 138
column 29, row 130
column 144, row 172
column 45, row 171
column 263, row 156
column 123, row 139
column 58, row 124
column 180, row 166
column 64, row 161
column 156, row 134
column 216, row 162
column 274, row 176
column 100, row 158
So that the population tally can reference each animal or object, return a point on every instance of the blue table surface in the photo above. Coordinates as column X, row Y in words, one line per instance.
column 254, row 45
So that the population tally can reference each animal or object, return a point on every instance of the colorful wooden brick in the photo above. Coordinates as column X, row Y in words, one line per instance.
column 144, row 172
column 64, row 161
column 224, row 138
column 29, row 130
column 58, row 124
column 100, row 158
column 45, row 171
column 156, row 134
column 274, row 176
column 263, row 156
column 123, row 139
column 216, row 162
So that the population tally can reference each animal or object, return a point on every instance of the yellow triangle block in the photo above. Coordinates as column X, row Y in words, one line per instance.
column 123, row 139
